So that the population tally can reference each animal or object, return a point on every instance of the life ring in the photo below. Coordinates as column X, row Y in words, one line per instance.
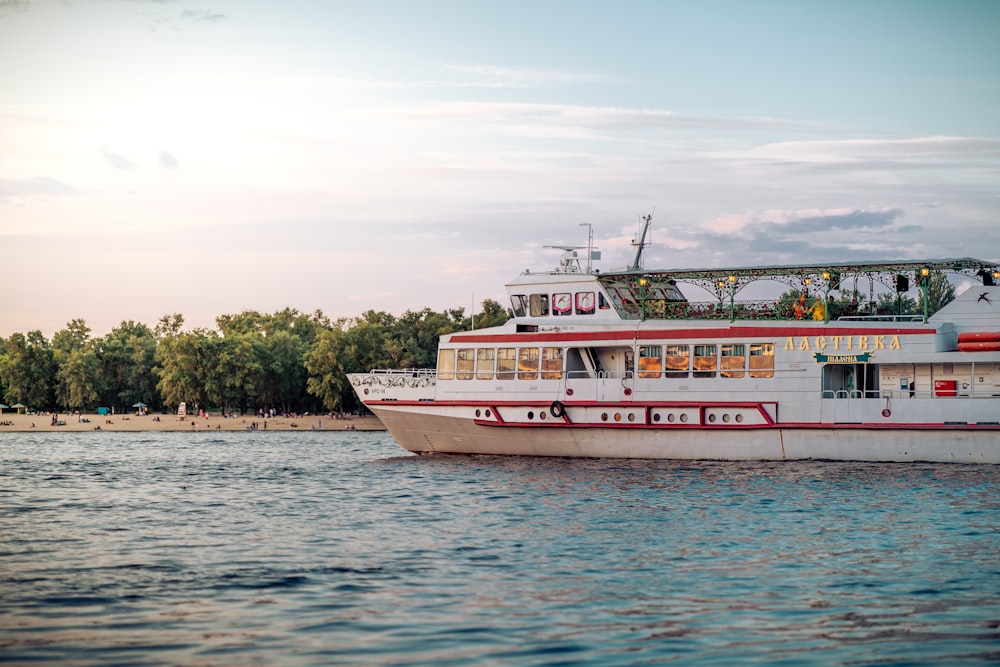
column 887, row 412
column 557, row 409
column 979, row 337
column 979, row 346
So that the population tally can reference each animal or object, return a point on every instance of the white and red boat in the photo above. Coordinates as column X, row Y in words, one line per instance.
column 622, row 365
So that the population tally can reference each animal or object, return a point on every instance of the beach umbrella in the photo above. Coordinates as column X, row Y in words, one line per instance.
column 140, row 404
column 19, row 406
column 3, row 407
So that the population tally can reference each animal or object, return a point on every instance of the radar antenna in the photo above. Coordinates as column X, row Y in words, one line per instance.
column 570, row 262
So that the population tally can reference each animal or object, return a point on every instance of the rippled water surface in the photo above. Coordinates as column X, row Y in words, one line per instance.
column 339, row 548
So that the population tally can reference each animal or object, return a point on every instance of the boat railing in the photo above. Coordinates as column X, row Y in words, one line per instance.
column 883, row 318
column 407, row 372
column 659, row 309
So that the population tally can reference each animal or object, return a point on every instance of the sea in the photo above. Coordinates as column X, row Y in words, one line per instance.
column 339, row 548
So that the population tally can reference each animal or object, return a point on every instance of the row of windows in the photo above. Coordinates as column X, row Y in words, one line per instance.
column 671, row 361
column 506, row 363
column 729, row 360
column 562, row 303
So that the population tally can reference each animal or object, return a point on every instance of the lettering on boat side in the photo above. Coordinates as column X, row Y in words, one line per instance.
column 865, row 358
column 838, row 343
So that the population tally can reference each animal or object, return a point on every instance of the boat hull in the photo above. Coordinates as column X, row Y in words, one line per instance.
column 423, row 431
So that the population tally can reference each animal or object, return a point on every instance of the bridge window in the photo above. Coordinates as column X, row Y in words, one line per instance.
column 520, row 304
column 446, row 365
column 705, row 363
column 527, row 363
column 552, row 363
column 562, row 303
column 506, row 363
column 484, row 363
column 650, row 361
column 762, row 360
column 538, row 305
column 466, row 363
column 677, row 361
column 733, row 360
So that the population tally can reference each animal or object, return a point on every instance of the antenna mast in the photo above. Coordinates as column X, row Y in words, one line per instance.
column 590, row 245
column 640, row 243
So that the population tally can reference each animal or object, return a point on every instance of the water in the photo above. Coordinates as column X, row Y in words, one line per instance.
column 338, row 548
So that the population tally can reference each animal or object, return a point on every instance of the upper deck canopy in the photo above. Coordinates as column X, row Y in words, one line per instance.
column 648, row 292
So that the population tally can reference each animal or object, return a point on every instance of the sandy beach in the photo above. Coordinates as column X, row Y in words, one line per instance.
column 11, row 422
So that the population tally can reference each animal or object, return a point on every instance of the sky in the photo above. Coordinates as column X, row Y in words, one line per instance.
column 207, row 157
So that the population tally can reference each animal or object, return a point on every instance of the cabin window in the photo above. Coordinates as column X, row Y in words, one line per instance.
column 762, row 360
column 506, row 363
column 466, row 363
column 527, row 363
column 446, row 365
column 650, row 361
column 484, row 363
column 602, row 303
column 552, row 363
column 677, row 361
column 733, row 360
column 520, row 304
column 538, row 305
column 705, row 363
column 562, row 303
column 584, row 303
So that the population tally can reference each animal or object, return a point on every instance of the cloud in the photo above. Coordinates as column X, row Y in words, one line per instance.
column 881, row 149
column 115, row 160
column 488, row 76
column 202, row 15
column 8, row 7
column 168, row 161
column 40, row 186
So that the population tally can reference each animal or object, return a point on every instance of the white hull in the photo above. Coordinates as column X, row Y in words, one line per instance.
column 621, row 366
column 423, row 432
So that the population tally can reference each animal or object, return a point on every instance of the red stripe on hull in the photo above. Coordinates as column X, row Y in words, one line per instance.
column 670, row 334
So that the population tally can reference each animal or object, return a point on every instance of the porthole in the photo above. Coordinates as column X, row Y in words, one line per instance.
column 739, row 418
column 531, row 415
column 604, row 416
column 684, row 418
column 487, row 412
column 541, row 415
column 711, row 418
column 618, row 416
column 725, row 417
column 477, row 413
column 670, row 418
column 631, row 417
column 656, row 417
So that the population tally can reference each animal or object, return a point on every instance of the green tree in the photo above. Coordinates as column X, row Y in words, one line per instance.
column 29, row 370
column 327, row 362
column 185, row 362
column 491, row 314
column 897, row 303
column 76, row 366
column 940, row 292
column 125, row 374
column 237, row 376
column 169, row 325
column 285, row 372
column 76, row 378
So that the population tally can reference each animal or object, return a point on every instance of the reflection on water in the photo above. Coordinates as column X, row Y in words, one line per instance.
column 332, row 548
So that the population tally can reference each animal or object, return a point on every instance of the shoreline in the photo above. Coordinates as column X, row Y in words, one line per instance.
column 29, row 423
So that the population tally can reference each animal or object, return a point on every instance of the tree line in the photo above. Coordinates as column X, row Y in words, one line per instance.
column 288, row 361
